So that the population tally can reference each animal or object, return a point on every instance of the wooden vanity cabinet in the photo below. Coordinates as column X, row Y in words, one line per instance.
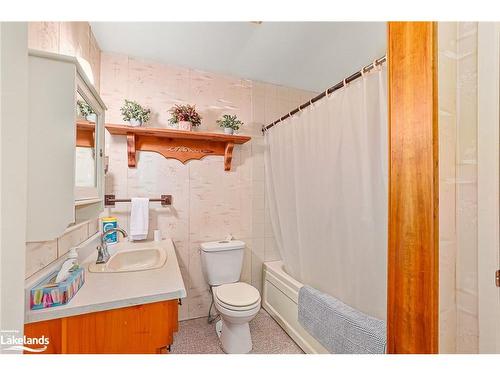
column 141, row 329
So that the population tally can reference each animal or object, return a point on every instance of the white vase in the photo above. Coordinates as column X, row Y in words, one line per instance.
column 185, row 125
column 228, row 130
column 135, row 122
column 91, row 118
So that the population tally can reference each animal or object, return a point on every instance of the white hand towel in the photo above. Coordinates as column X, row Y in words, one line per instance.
column 139, row 219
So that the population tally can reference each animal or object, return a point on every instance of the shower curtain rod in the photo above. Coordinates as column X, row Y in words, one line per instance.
column 339, row 85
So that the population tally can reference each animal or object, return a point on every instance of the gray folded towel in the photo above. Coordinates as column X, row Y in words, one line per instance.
column 337, row 326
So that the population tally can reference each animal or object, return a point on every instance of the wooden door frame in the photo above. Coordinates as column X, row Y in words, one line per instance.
column 413, row 278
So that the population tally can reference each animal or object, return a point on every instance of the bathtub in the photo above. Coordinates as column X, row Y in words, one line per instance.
column 280, row 296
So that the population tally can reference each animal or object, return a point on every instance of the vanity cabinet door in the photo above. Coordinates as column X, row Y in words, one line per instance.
column 52, row 329
column 51, row 148
column 141, row 329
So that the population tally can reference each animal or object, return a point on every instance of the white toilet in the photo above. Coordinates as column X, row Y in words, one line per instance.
column 237, row 302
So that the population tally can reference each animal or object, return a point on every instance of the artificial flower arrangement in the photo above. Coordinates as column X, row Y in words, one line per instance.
column 184, row 117
column 134, row 113
column 230, row 123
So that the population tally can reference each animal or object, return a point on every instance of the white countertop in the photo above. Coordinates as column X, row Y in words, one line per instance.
column 106, row 291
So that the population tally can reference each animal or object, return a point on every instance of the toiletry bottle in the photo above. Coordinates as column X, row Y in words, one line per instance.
column 68, row 264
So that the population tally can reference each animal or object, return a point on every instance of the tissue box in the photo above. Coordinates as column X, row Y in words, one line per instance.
column 48, row 294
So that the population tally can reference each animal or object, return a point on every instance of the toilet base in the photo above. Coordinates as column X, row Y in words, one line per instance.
column 235, row 338
column 218, row 327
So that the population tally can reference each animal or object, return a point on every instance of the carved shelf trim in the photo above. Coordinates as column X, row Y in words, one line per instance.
column 177, row 144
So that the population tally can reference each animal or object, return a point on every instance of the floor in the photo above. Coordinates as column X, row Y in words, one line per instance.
column 196, row 336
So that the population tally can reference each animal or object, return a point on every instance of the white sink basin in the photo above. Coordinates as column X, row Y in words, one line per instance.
column 129, row 260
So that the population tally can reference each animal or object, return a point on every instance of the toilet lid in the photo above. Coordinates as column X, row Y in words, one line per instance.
column 237, row 294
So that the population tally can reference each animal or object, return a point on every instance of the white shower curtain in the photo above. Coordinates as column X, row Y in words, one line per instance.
column 326, row 179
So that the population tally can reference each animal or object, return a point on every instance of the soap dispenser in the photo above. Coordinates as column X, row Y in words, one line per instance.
column 68, row 266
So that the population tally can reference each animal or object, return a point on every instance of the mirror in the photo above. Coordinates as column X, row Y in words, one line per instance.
column 85, row 157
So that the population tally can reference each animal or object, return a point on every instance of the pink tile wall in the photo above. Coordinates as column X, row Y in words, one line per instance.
column 67, row 38
column 208, row 203
column 42, row 254
column 466, row 207
column 458, row 187
column 447, row 179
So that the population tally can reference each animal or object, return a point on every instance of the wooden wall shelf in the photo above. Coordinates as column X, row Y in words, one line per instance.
column 177, row 144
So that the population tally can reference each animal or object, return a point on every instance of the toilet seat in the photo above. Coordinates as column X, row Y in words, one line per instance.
column 236, row 309
column 237, row 296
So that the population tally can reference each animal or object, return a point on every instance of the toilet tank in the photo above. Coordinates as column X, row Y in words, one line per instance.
column 222, row 261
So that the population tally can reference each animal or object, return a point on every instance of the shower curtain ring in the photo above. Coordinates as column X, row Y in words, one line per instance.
column 326, row 93
column 345, row 82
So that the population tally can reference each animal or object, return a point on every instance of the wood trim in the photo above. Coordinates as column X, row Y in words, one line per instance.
column 180, row 149
column 413, row 188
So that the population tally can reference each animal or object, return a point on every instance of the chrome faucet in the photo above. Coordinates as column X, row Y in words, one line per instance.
column 102, row 250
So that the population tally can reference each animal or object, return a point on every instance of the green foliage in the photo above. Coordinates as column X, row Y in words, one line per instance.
column 133, row 110
column 229, row 121
column 84, row 109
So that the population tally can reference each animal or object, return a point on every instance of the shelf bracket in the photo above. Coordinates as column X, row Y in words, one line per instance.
column 228, row 156
column 131, row 151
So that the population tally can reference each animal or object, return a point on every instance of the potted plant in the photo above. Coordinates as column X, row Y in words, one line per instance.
column 134, row 113
column 86, row 111
column 184, row 117
column 230, row 123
